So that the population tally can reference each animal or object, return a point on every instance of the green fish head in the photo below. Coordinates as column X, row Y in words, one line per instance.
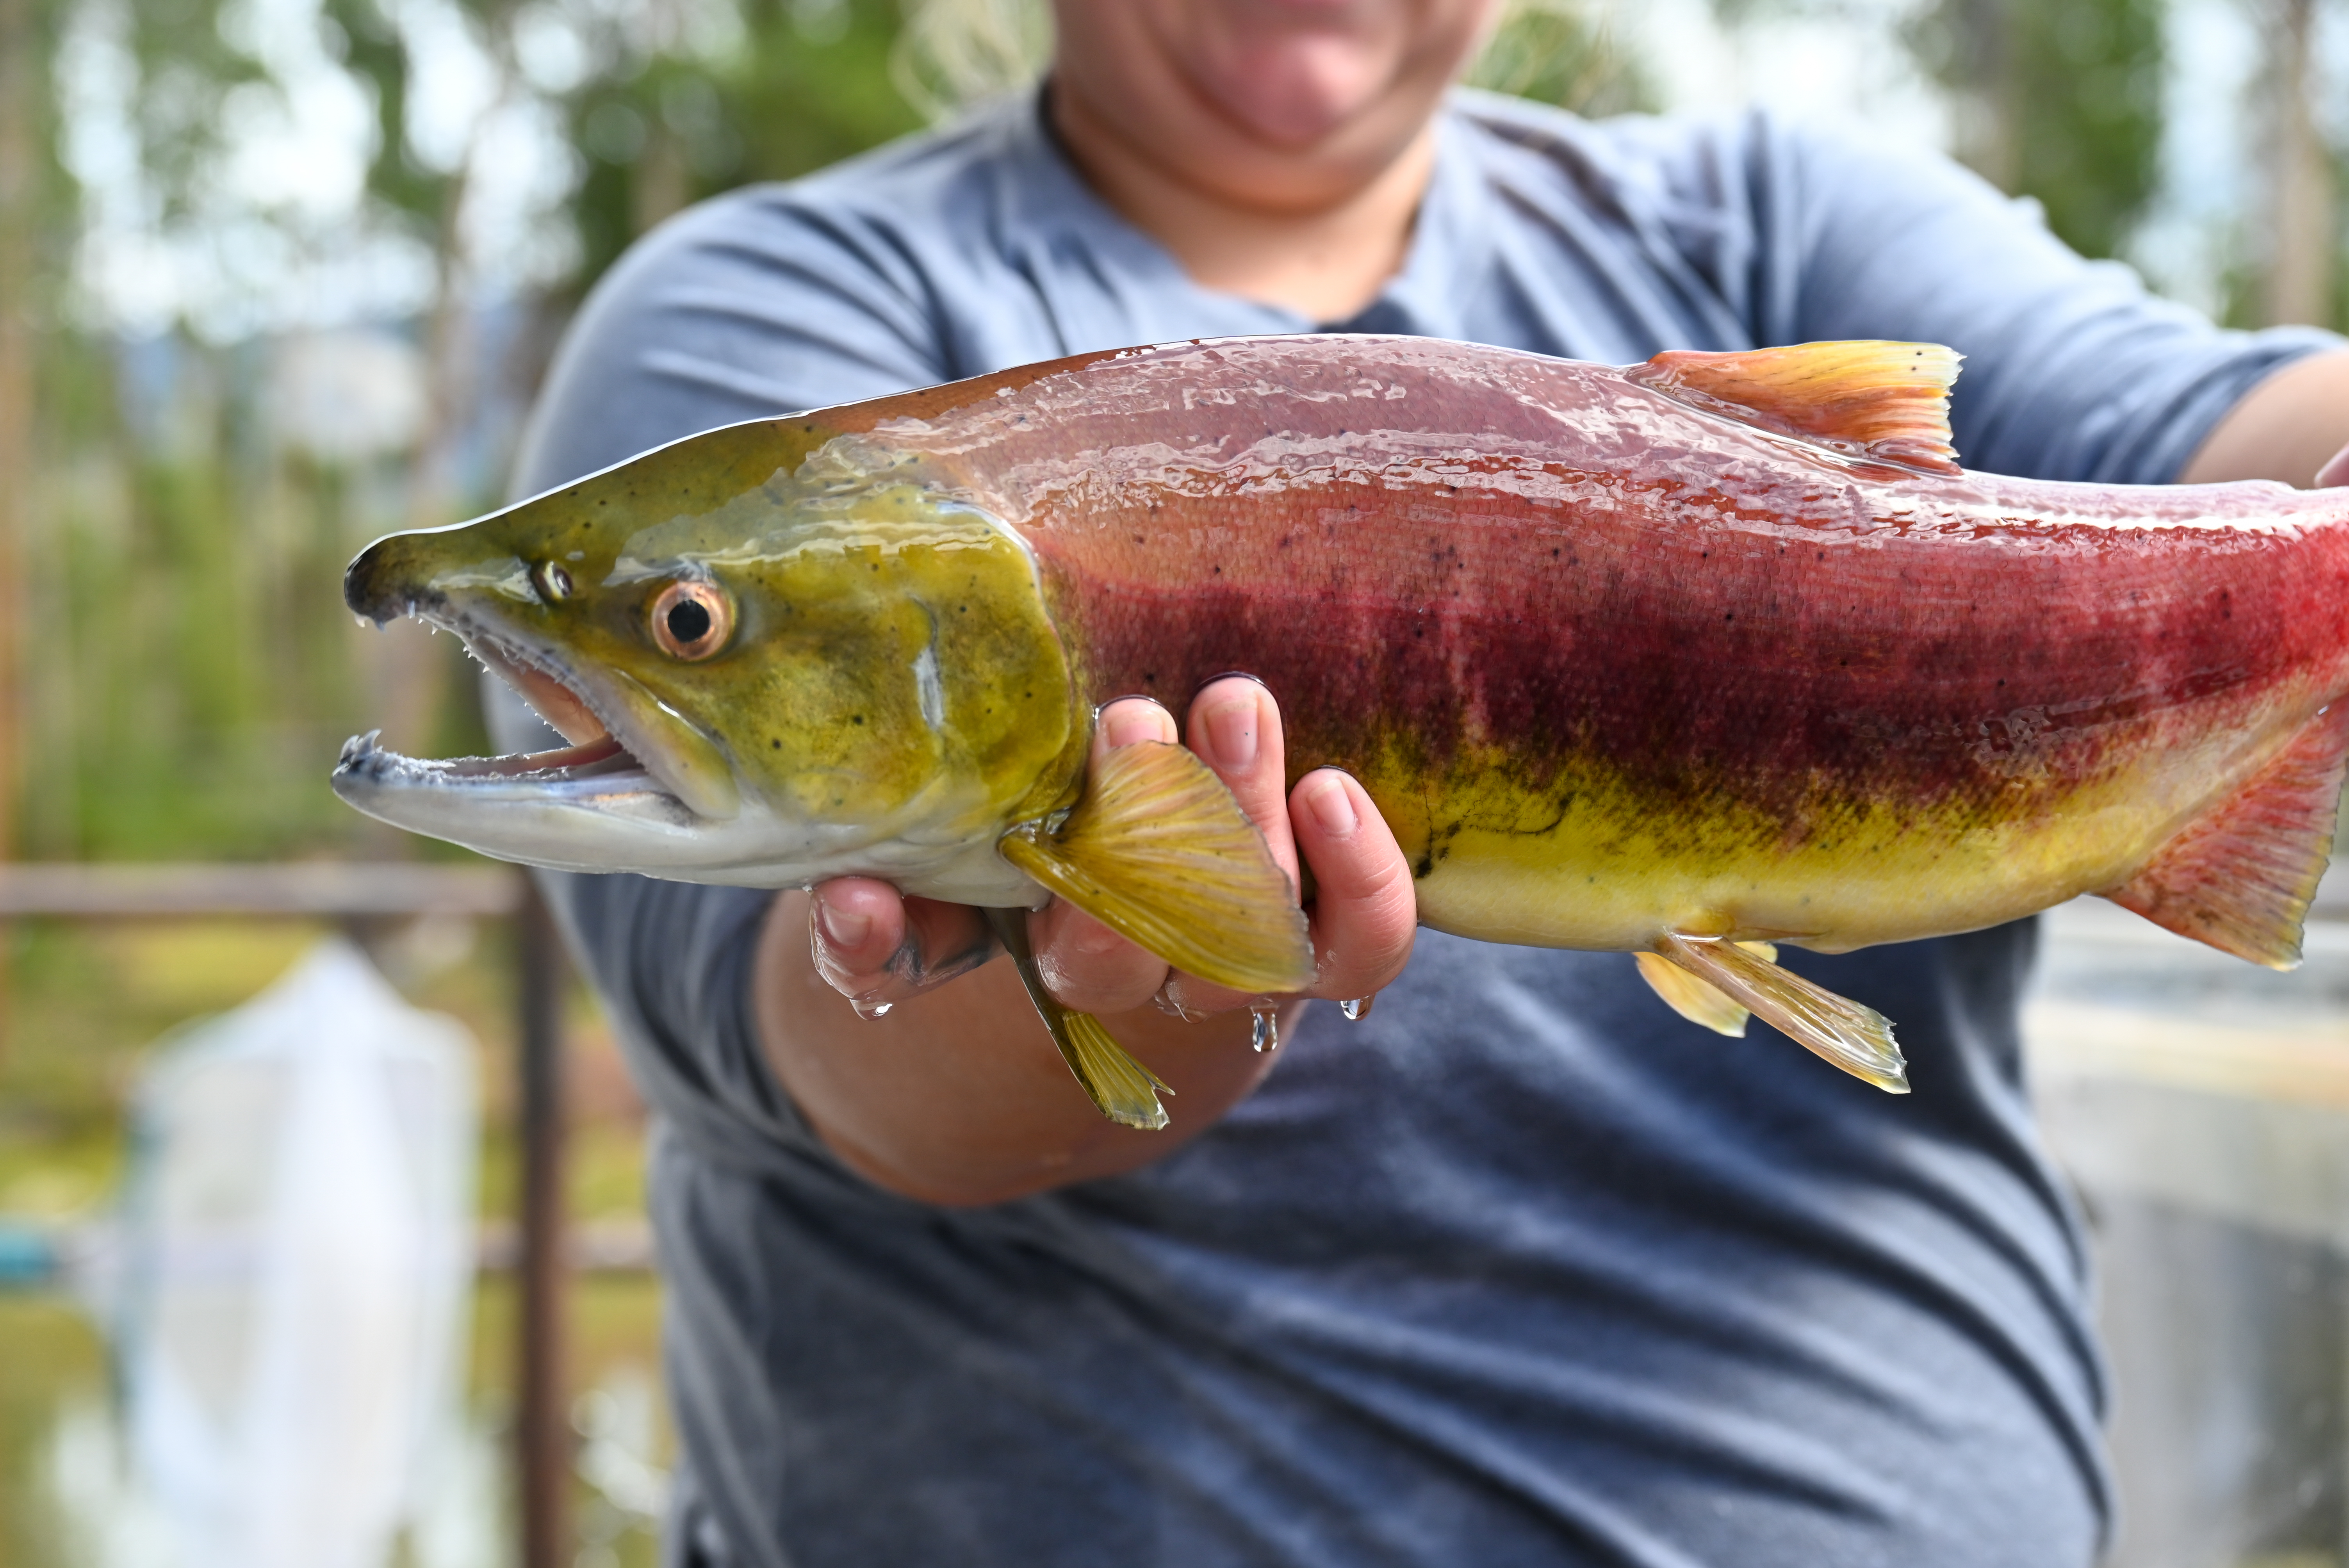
column 779, row 658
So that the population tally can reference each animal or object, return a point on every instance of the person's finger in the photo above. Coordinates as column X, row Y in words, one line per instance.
column 2335, row 470
column 1235, row 729
column 1365, row 910
column 877, row 948
column 1084, row 964
column 1365, row 906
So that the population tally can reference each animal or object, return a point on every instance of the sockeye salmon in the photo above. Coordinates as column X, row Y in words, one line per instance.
column 1687, row 659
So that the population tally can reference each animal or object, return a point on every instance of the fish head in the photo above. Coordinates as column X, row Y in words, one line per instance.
column 775, row 663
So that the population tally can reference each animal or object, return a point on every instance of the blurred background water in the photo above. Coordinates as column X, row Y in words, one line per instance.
column 278, row 275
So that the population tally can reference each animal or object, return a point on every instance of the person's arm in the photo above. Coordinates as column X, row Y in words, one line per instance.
column 2293, row 426
column 957, row 1095
column 2073, row 370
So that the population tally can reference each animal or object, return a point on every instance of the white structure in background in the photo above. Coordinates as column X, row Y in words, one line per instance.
column 295, row 1260
column 347, row 396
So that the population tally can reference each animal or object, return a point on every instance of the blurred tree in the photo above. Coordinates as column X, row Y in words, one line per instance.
column 2058, row 100
column 2300, row 264
column 413, row 673
column 664, row 123
column 22, row 100
column 1562, row 52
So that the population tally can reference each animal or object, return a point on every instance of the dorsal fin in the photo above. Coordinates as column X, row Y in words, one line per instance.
column 2240, row 877
column 1887, row 402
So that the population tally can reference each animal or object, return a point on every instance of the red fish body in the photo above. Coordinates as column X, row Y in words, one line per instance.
column 1613, row 664
column 1686, row 658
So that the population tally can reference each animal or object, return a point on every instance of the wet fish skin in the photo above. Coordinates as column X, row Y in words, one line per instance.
column 1625, row 662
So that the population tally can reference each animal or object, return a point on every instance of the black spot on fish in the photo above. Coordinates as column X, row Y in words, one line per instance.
column 776, row 744
column 857, row 718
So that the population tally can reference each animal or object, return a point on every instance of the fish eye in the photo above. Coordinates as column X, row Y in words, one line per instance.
column 692, row 620
column 553, row 582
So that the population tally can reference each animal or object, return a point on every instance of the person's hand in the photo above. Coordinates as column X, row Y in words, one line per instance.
column 877, row 948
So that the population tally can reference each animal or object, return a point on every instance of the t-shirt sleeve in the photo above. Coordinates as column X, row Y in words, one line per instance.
column 750, row 305
column 2074, row 370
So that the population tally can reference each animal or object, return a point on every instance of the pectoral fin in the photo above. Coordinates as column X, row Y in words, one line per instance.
column 1158, row 851
column 1855, row 1038
column 2241, row 878
column 1693, row 998
column 1121, row 1087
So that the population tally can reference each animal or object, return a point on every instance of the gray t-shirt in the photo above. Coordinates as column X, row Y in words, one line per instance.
column 1522, row 1269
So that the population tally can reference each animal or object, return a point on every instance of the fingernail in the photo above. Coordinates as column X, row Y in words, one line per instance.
column 1231, row 733
column 1333, row 807
column 841, row 928
column 1127, row 726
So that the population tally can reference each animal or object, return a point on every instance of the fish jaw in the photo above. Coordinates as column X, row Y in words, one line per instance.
column 595, row 809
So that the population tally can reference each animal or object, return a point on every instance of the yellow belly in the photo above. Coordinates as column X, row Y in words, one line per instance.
column 1586, row 862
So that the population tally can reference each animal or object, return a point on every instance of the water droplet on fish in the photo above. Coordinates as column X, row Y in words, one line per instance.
column 869, row 1010
column 1356, row 1008
column 1264, row 1032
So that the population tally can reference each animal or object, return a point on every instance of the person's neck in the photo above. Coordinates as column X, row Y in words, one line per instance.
column 1327, row 263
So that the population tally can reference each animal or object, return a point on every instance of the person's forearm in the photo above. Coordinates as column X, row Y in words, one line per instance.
column 2286, row 427
column 957, row 1095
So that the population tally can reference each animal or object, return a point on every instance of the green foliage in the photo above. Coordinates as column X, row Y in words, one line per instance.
column 1555, row 53
column 372, row 49
column 804, row 85
column 189, row 71
column 2064, row 100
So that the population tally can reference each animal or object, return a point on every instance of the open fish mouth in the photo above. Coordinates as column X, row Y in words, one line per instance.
column 598, row 766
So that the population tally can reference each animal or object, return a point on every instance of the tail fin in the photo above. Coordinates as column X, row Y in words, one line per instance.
column 2240, row 877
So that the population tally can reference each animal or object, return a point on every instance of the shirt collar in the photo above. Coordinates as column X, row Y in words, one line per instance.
column 1135, row 291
